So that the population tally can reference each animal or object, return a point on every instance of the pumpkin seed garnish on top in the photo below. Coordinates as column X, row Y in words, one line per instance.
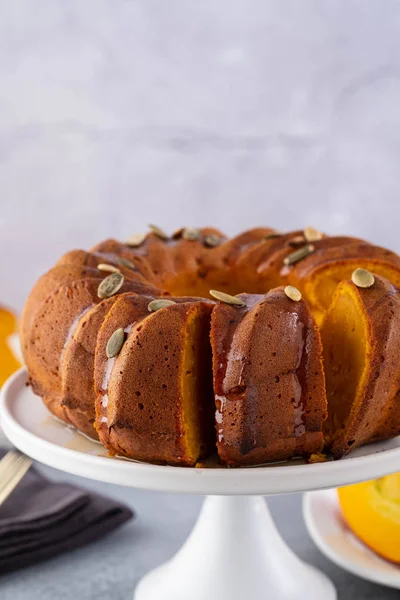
column 126, row 263
column 110, row 285
column 298, row 255
column 155, row 305
column 363, row 278
column 136, row 240
column 293, row 293
column 158, row 232
column 227, row 298
column 312, row 235
column 212, row 240
column 298, row 240
column 108, row 268
column 191, row 234
column 115, row 343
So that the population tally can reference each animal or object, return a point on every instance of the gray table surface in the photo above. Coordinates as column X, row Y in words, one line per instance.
column 110, row 568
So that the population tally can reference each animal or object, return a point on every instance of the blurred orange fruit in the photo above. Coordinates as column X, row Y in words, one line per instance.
column 8, row 362
column 372, row 511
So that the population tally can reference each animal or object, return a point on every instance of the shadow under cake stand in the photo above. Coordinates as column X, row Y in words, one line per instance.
column 234, row 551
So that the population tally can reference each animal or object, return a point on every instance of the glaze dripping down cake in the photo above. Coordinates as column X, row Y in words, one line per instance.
column 292, row 353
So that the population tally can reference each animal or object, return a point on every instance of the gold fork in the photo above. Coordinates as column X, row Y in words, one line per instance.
column 13, row 467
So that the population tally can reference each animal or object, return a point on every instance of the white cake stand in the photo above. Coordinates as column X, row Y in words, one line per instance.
column 234, row 551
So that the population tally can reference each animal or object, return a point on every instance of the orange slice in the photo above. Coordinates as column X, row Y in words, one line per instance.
column 8, row 362
column 372, row 511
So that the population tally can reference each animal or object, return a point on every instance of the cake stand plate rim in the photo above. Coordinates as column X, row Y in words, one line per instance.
column 18, row 406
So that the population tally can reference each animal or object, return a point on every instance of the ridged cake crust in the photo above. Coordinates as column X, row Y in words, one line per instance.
column 333, row 261
column 64, row 329
column 57, row 303
column 77, row 382
column 268, row 379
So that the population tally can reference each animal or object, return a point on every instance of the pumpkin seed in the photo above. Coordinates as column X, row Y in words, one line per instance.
column 212, row 240
column 115, row 343
column 312, row 235
column 136, row 240
column 363, row 278
column 298, row 255
column 191, row 234
column 158, row 232
column 159, row 303
column 109, row 268
column 293, row 293
column 272, row 235
column 110, row 285
column 298, row 240
column 227, row 298
column 126, row 263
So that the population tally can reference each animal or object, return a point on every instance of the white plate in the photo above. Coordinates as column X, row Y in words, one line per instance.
column 332, row 536
column 15, row 346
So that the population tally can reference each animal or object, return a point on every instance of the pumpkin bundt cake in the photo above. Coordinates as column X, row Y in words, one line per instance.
column 122, row 343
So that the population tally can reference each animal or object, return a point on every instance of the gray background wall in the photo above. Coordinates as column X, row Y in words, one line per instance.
column 231, row 112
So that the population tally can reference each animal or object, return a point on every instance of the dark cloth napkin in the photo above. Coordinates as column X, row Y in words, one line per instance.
column 43, row 518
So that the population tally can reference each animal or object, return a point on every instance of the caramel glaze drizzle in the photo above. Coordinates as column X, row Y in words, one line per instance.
column 299, row 400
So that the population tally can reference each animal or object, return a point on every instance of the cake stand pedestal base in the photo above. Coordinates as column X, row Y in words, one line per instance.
column 235, row 552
